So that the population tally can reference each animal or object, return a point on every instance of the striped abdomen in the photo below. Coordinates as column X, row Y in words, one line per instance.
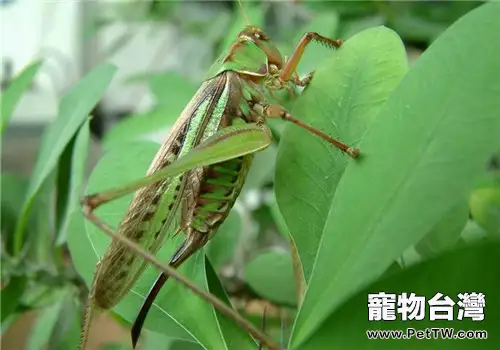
column 220, row 187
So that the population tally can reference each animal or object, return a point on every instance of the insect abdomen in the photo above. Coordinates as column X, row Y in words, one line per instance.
column 218, row 192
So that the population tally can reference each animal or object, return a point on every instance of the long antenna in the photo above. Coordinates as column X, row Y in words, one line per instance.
column 243, row 12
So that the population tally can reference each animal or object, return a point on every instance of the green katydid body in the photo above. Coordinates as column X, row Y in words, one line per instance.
column 152, row 211
column 237, row 91
column 205, row 195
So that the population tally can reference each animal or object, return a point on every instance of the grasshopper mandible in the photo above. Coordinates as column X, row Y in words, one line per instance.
column 201, row 167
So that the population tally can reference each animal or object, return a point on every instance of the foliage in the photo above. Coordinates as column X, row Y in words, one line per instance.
column 426, row 134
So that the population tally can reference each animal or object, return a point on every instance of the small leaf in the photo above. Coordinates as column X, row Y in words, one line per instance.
column 234, row 336
column 77, row 173
column 11, row 96
column 39, row 241
column 74, row 108
column 228, row 143
column 271, row 276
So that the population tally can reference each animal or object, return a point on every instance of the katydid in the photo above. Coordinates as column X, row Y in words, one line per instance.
column 200, row 169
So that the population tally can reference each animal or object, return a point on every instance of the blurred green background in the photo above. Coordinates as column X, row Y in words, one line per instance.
column 43, row 295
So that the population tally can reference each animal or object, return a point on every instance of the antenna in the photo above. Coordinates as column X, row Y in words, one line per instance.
column 243, row 12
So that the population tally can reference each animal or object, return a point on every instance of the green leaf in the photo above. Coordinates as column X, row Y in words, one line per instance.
column 343, row 98
column 228, row 143
column 221, row 247
column 485, row 208
column 271, row 276
column 177, row 313
column 423, row 152
column 11, row 96
column 77, row 173
column 473, row 269
column 74, row 109
column 446, row 232
column 63, row 173
column 39, row 240
column 234, row 336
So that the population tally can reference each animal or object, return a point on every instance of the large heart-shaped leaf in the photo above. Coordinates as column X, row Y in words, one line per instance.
column 343, row 98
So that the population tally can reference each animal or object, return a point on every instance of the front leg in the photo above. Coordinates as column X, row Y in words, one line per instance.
column 292, row 62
